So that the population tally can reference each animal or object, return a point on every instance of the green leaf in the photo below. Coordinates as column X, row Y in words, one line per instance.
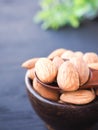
column 57, row 13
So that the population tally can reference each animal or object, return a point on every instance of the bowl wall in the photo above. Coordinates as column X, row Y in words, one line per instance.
column 60, row 116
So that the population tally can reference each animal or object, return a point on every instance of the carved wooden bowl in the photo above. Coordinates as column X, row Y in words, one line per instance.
column 59, row 116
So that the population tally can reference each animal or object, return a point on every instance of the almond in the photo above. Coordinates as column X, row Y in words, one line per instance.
column 67, row 55
column 79, row 97
column 46, row 70
column 93, row 66
column 29, row 63
column 90, row 57
column 57, row 61
column 82, row 69
column 57, row 52
column 31, row 73
column 68, row 78
column 78, row 54
column 45, row 92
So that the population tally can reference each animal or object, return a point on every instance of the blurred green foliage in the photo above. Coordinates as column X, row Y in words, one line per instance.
column 58, row 13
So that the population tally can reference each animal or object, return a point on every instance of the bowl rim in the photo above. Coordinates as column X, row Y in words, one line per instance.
column 54, row 103
column 33, row 92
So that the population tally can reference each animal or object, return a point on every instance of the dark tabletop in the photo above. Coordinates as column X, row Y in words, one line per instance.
column 21, row 39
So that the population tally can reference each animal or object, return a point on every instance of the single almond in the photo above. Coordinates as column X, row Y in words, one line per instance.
column 45, row 92
column 57, row 61
column 68, row 78
column 93, row 66
column 90, row 57
column 82, row 69
column 57, row 52
column 79, row 97
column 68, row 54
column 31, row 73
column 78, row 54
column 29, row 63
column 46, row 70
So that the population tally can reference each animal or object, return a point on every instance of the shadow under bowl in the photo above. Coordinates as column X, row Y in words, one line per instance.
column 59, row 116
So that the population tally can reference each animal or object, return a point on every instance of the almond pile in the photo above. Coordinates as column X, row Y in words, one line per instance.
column 69, row 70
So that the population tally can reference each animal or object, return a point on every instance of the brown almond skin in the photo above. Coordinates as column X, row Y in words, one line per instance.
column 29, row 63
column 45, row 92
column 58, row 61
column 78, row 54
column 79, row 97
column 68, row 78
column 31, row 73
column 82, row 69
column 68, row 54
column 90, row 57
column 57, row 52
column 46, row 70
column 93, row 66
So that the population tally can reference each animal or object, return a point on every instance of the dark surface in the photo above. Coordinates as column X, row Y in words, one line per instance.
column 21, row 39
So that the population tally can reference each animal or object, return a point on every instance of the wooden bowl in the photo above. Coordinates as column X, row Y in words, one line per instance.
column 59, row 116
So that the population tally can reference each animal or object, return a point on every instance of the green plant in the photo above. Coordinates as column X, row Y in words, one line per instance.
column 57, row 13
